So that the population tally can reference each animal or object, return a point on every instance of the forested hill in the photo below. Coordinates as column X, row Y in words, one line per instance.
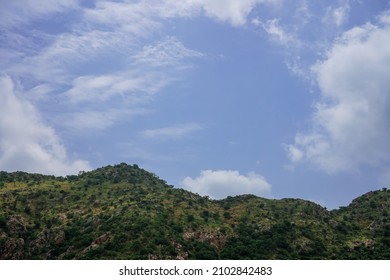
column 125, row 212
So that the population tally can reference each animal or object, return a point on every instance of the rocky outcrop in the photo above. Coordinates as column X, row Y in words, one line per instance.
column 45, row 241
column 361, row 242
column 12, row 243
column 98, row 241
column 212, row 236
column 181, row 253
column 16, row 225
column 102, row 239
column 47, row 237
column 12, row 249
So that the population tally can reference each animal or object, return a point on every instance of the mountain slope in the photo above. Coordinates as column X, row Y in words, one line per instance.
column 124, row 212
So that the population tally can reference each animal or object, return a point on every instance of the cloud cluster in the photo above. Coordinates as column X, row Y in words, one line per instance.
column 221, row 183
column 26, row 142
column 116, row 27
column 52, row 65
column 350, row 124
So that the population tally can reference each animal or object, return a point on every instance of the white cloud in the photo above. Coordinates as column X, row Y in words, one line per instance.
column 19, row 12
column 99, row 88
column 125, row 15
column 26, row 143
column 339, row 15
column 58, row 63
column 67, row 54
column 171, row 132
column 111, row 31
column 108, row 27
column 298, row 67
column 91, row 119
column 351, row 122
column 293, row 153
column 39, row 92
column 303, row 13
column 232, row 11
column 167, row 52
column 256, row 21
column 384, row 17
column 222, row 183
column 277, row 32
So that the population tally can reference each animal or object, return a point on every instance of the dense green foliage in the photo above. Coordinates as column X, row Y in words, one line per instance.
column 125, row 212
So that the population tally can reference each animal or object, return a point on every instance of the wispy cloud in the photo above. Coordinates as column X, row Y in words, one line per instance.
column 99, row 88
column 14, row 13
column 97, row 53
column 277, row 32
column 98, row 119
column 167, row 52
column 337, row 15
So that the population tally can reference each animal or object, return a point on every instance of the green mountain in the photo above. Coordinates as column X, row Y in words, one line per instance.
column 125, row 212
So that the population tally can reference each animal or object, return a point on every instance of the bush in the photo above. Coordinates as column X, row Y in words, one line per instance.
column 3, row 222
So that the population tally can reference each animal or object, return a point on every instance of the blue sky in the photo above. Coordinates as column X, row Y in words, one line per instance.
column 221, row 97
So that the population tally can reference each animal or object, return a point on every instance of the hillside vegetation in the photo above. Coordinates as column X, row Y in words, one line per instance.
column 125, row 212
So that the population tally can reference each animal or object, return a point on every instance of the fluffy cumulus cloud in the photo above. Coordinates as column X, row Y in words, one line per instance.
column 351, row 122
column 221, row 183
column 26, row 143
column 232, row 11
